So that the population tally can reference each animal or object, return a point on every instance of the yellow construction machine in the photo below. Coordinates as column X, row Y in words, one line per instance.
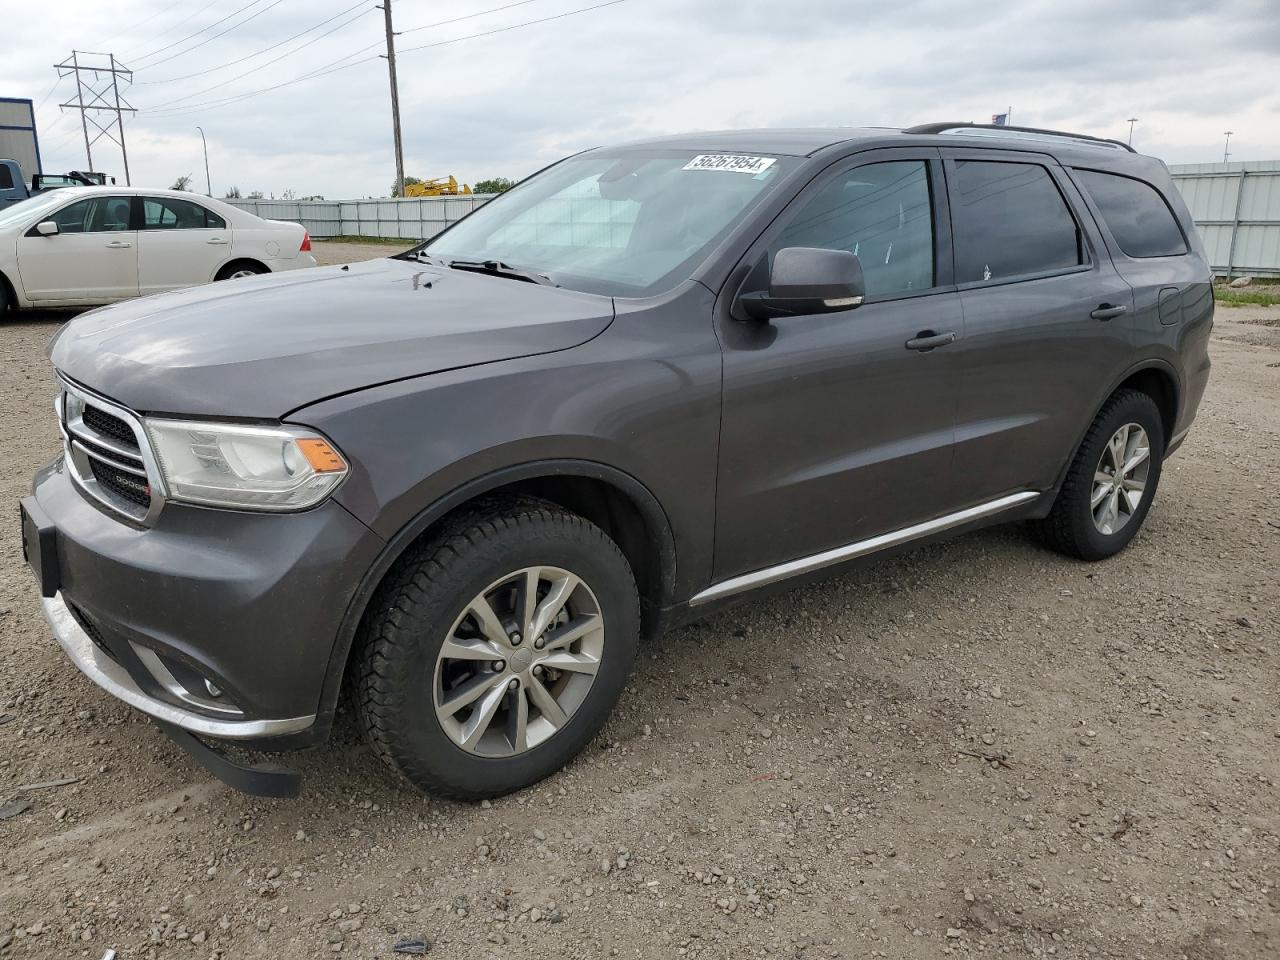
column 439, row 187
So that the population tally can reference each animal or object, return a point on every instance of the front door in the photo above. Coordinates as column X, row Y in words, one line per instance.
column 93, row 258
column 834, row 430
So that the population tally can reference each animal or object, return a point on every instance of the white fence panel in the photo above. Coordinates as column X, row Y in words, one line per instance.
column 1236, row 207
column 410, row 218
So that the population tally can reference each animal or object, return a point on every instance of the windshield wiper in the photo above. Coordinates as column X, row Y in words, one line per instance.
column 497, row 268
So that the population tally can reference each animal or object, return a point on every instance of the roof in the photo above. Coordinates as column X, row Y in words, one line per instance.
column 794, row 142
column 806, row 141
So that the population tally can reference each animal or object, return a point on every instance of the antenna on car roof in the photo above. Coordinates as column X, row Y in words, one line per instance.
column 928, row 128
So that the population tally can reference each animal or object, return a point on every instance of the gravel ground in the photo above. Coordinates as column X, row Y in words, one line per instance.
column 978, row 748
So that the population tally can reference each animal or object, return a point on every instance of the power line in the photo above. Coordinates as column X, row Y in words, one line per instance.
column 169, row 29
column 192, row 36
column 338, row 65
column 469, row 16
column 263, row 66
column 232, row 63
column 234, row 26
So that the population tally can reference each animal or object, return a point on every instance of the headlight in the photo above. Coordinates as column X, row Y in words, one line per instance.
column 253, row 468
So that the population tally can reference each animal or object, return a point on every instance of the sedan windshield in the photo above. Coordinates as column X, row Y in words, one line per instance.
column 33, row 207
column 624, row 224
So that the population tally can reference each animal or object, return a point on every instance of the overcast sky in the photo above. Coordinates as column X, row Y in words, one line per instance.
column 507, row 103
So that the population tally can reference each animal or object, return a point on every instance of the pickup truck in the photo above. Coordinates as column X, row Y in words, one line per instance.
column 13, row 186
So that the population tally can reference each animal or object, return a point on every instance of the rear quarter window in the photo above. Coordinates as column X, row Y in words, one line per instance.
column 6, row 178
column 1137, row 215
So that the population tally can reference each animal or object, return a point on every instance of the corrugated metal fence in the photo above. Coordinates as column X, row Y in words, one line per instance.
column 411, row 218
column 1236, row 207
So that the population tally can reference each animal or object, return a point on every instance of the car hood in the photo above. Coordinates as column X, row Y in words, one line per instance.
column 263, row 346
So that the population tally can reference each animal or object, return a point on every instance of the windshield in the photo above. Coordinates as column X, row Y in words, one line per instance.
column 621, row 223
column 32, row 207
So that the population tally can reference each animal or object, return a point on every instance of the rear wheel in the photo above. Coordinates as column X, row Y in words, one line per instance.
column 241, row 269
column 497, row 650
column 6, row 301
column 1111, row 482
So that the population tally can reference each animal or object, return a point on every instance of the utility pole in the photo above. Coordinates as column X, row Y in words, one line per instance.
column 1226, row 151
column 208, row 184
column 96, row 95
column 395, row 97
column 1132, row 121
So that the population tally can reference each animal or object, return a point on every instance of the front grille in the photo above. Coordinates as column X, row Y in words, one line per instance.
column 109, row 425
column 123, row 484
column 108, row 452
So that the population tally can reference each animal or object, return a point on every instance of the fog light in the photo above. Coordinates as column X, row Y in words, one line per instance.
column 213, row 688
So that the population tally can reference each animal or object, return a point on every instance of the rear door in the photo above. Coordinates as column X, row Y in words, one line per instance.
column 182, row 243
column 1047, row 319
column 93, row 258
column 833, row 429
column 1170, row 284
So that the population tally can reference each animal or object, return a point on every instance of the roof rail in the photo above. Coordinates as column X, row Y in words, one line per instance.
column 1060, row 134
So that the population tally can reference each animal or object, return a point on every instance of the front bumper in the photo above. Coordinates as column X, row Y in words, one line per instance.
column 107, row 673
column 248, row 603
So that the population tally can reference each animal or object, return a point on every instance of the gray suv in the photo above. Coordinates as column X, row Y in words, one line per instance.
column 462, row 483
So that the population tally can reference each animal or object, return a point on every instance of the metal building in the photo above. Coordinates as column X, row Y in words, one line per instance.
column 1236, row 207
column 18, row 135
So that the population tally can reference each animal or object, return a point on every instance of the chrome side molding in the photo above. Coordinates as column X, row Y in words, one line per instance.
column 793, row 568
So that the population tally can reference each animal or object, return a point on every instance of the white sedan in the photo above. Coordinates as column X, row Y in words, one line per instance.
column 83, row 246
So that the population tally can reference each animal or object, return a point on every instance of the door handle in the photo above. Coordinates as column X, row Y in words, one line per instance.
column 217, row 242
column 1107, row 311
column 928, row 340
column 118, row 245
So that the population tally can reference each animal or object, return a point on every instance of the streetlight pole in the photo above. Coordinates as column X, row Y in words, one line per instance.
column 1132, row 121
column 208, row 184
column 1226, row 151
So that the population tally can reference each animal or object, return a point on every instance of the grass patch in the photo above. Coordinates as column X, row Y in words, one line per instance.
column 375, row 241
column 1246, row 298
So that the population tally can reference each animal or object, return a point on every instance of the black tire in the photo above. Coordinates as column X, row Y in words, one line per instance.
column 6, row 300
column 240, row 266
column 1070, row 528
column 423, row 597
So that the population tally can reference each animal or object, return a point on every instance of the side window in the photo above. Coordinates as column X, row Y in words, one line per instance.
column 170, row 213
column 1138, row 217
column 882, row 213
column 94, row 215
column 1010, row 220
column 6, row 178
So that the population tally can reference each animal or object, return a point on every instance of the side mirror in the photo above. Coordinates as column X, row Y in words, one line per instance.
column 47, row 228
column 808, row 280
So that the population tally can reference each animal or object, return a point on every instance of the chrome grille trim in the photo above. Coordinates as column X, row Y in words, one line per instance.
column 85, row 445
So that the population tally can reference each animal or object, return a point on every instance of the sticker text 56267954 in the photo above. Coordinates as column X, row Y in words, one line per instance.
column 729, row 162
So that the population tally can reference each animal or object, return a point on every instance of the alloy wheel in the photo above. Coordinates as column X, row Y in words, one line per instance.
column 518, row 661
column 1120, row 478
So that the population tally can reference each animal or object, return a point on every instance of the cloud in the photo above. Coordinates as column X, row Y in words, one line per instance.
column 506, row 104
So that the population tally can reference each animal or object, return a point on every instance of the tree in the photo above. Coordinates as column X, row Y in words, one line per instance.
column 233, row 193
column 408, row 182
column 494, row 185
column 182, row 183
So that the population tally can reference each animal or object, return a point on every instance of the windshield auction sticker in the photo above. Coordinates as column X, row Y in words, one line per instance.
column 731, row 163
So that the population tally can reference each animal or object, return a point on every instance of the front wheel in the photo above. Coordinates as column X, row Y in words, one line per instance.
column 497, row 650
column 1111, row 482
